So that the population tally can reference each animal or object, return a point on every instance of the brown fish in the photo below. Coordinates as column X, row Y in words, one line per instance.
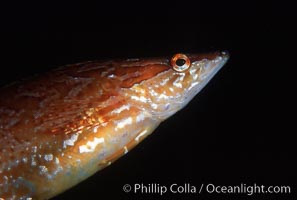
column 61, row 127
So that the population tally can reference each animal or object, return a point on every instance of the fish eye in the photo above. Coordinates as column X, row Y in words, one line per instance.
column 180, row 62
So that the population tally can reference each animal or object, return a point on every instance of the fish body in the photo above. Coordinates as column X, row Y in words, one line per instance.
column 61, row 127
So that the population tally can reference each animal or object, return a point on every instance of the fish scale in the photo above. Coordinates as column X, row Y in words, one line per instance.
column 59, row 128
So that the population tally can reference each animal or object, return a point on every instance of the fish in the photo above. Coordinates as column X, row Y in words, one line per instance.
column 60, row 127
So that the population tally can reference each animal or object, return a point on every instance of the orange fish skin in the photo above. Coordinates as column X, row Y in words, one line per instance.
column 59, row 128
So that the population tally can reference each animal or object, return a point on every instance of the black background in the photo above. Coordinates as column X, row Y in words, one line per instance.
column 241, row 128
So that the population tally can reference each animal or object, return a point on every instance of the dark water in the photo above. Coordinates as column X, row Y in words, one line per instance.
column 241, row 129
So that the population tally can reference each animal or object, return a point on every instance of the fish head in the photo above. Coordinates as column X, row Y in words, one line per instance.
column 173, row 82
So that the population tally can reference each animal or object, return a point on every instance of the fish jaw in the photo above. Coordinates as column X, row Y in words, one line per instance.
column 170, row 91
column 202, row 71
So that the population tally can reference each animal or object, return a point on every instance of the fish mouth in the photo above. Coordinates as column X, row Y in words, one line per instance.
column 215, row 64
column 207, row 66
